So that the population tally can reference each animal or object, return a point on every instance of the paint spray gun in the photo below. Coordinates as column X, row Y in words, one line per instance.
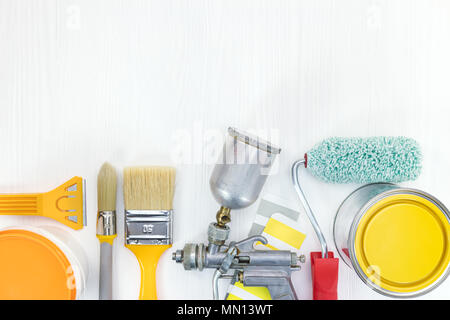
column 236, row 183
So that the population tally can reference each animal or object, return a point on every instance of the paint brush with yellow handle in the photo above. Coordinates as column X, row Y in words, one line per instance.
column 106, row 226
column 148, row 196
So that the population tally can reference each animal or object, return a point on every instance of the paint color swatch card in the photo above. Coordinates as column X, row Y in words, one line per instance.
column 278, row 223
column 237, row 291
column 282, row 233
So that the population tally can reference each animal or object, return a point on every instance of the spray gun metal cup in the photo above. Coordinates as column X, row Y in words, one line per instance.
column 236, row 182
column 241, row 172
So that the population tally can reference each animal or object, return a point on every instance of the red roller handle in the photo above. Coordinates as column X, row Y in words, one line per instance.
column 324, row 276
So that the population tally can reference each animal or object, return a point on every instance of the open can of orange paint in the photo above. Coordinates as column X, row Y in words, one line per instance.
column 396, row 239
column 43, row 263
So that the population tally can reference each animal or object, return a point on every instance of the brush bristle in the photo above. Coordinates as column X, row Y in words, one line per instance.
column 148, row 188
column 107, row 188
column 366, row 160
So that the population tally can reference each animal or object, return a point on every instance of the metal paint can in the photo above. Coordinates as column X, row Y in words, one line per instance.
column 396, row 239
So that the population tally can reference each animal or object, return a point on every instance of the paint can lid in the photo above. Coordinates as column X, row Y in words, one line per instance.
column 33, row 268
column 402, row 243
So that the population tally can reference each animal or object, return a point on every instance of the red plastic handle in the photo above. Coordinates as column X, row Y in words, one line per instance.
column 324, row 276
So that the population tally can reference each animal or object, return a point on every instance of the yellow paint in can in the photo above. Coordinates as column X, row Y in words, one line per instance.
column 402, row 243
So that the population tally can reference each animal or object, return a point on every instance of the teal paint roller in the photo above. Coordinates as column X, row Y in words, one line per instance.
column 365, row 160
column 352, row 160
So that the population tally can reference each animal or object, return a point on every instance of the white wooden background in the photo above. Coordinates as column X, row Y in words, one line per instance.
column 84, row 81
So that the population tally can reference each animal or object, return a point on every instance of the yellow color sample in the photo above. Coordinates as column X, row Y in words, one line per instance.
column 285, row 233
column 259, row 292
column 33, row 268
column 402, row 243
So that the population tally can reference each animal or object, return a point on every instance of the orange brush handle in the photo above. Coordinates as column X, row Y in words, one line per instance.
column 148, row 257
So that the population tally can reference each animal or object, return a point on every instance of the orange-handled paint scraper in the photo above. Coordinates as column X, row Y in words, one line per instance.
column 148, row 196
column 65, row 204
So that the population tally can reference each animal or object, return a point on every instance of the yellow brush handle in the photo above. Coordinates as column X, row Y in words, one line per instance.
column 108, row 239
column 148, row 257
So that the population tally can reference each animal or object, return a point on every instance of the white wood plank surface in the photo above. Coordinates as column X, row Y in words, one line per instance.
column 84, row 81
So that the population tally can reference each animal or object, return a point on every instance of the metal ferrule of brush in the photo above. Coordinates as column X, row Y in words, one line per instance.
column 145, row 227
column 106, row 223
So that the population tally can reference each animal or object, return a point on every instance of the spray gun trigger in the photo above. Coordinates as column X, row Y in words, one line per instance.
column 248, row 244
